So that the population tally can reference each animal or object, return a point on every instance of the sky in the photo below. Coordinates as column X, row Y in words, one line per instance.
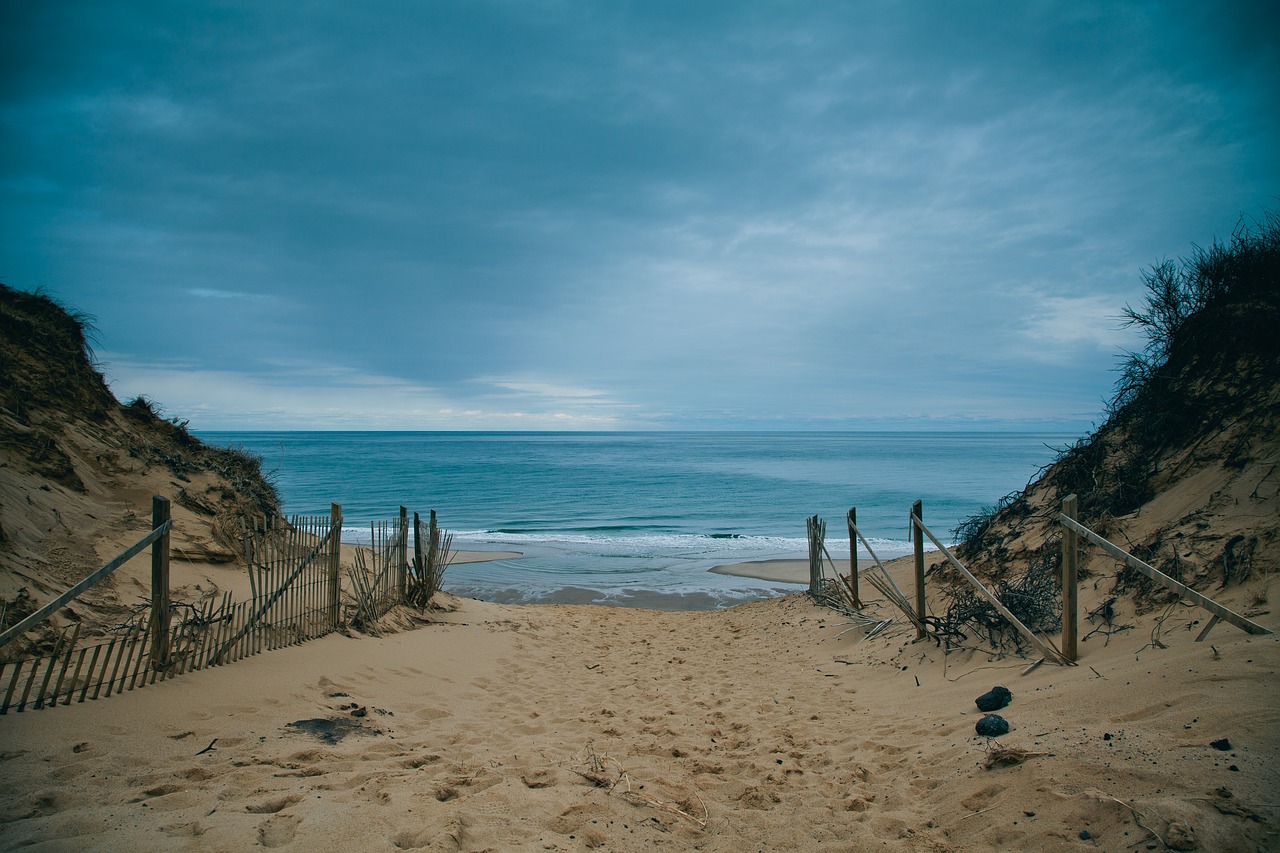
column 610, row 215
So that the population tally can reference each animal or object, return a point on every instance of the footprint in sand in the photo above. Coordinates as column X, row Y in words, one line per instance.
column 451, row 837
column 538, row 779
column 272, row 805
column 190, row 829
column 416, row 761
column 278, row 830
column 157, row 791
column 979, row 800
column 43, row 804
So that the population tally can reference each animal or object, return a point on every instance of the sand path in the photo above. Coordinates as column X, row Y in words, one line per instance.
column 578, row 727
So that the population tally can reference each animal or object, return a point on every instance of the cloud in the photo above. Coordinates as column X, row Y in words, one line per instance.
column 211, row 293
column 646, row 215
column 297, row 396
column 1057, row 327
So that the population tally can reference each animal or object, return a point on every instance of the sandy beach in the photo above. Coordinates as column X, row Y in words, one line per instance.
column 769, row 726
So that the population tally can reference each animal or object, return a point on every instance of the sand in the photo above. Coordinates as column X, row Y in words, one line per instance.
column 771, row 726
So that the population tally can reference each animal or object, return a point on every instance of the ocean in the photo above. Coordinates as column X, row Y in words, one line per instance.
column 640, row 518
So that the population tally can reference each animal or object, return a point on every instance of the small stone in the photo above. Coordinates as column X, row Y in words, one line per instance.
column 1084, row 835
column 994, row 699
column 360, row 712
column 1222, row 744
column 992, row 725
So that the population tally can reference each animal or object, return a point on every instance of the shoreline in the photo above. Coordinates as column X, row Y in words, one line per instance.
column 778, row 570
column 458, row 557
column 791, row 571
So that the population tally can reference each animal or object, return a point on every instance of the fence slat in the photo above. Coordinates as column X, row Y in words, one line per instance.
column 48, row 673
column 31, row 677
column 13, row 683
column 129, row 638
column 75, row 677
column 142, row 654
column 88, row 678
column 62, row 673
column 106, row 665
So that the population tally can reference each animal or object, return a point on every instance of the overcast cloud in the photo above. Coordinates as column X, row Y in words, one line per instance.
column 567, row 215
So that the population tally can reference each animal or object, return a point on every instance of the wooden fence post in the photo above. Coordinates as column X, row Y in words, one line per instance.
column 1070, row 590
column 335, row 561
column 433, row 558
column 433, row 540
column 852, row 518
column 917, row 513
column 402, row 571
column 159, row 585
column 418, row 560
column 816, row 528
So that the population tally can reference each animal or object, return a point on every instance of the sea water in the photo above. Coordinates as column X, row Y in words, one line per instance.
column 640, row 518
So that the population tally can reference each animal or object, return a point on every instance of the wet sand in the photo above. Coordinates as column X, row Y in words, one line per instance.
column 783, row 571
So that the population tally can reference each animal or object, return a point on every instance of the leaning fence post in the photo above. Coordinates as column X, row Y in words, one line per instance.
column 335, row 559
column 160, row 585
column 853, row 556
column 1070, row 592
column 917, row 516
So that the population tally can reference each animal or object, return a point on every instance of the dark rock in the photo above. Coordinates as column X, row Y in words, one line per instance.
column 1084, row 835
column 1222, row 744
column 994, row 700
column 992, row 725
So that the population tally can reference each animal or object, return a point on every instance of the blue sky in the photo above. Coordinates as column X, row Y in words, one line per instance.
column 649, row 215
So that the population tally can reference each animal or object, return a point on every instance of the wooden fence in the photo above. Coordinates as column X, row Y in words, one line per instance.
column 1073, row 532
column 378, row 581
column 294, row 576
